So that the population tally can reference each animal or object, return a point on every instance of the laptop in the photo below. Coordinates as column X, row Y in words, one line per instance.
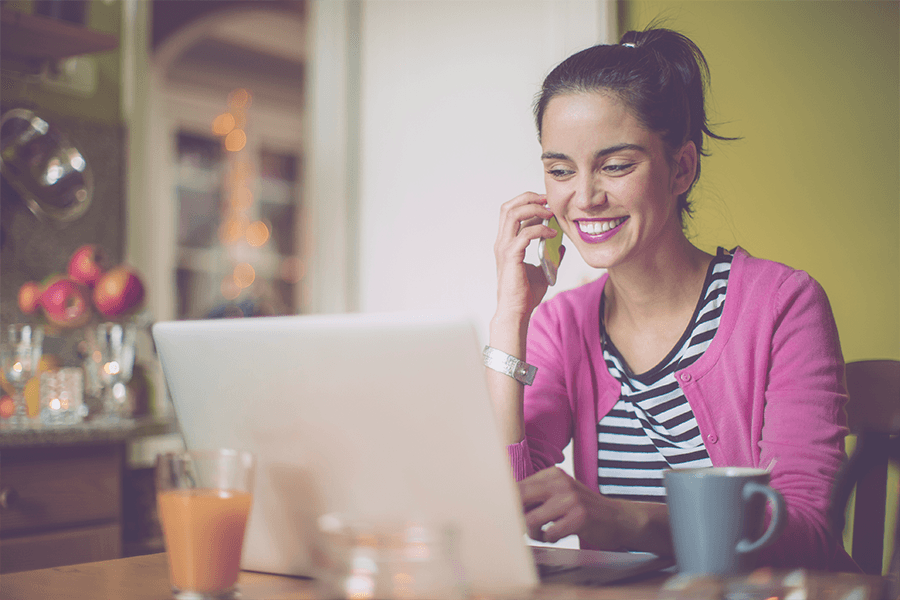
column 374, row 417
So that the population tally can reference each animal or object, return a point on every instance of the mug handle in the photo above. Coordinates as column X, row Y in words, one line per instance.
column 776, row 525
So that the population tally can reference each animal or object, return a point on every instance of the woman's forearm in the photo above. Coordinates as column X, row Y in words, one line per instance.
column 645, row 527
column 507, row 394
column 637, row 526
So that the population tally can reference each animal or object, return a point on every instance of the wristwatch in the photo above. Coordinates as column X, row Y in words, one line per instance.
column 509, row 365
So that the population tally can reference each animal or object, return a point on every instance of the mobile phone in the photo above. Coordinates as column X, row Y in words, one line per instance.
column 548, row 251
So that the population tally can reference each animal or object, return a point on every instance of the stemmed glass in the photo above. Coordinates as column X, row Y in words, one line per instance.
column 20, row 353
column 114, row 344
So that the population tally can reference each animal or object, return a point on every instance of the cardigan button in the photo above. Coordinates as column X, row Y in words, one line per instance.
column 685, row 376
column 712, row 438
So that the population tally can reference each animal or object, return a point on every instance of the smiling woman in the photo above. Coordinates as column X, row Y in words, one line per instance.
column 676, row 357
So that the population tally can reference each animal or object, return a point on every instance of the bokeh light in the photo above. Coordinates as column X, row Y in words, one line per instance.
column 233, row 228
column 223, row 124
column 244, row 274
column 240, row 98
column 236, row 140
column 77, row 161
column 53, row 172
column 257, row 233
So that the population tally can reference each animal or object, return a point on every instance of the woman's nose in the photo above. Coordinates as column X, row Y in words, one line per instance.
column 589, row 194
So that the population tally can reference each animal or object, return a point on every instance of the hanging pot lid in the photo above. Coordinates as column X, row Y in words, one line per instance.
column 44, row 167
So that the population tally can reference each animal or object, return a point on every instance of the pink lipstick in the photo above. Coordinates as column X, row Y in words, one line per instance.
column 599, row 230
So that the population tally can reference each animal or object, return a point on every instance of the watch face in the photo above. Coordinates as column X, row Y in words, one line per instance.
column 509, row 365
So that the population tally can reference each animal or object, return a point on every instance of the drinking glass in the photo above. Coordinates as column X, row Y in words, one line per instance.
column 114, row 351
column 203, row 499
column 390, row 560
column 62, row 397
column 21, row 352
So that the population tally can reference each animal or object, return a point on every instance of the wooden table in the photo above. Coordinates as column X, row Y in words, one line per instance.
column 146, row 578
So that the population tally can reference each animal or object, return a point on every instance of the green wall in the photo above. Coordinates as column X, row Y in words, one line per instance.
column 813, row 89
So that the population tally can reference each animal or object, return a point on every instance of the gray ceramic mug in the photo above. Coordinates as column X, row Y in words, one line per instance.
column 717, row 516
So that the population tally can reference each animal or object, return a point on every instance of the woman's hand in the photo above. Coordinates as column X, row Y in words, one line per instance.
column 520, row 286
column 556, row 505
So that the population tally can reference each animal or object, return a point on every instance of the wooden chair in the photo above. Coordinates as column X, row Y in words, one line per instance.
column 873, row 414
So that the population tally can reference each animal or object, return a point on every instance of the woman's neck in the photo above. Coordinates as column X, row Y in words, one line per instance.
column 658, row 287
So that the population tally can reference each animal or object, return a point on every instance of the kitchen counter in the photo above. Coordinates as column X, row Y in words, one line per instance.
column 79, row 493
column 85, row 433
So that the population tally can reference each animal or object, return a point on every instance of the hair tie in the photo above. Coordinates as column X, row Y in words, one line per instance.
column 628, row 44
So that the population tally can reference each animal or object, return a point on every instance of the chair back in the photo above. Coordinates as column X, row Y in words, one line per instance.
column 873, row 414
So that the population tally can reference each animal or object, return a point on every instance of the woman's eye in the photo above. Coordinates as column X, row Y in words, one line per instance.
column 558, row 173
column 617, row 168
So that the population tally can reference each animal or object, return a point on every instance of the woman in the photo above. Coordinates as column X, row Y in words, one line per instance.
column 675, row 358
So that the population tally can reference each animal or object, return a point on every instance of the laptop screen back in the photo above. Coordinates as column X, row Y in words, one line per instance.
column 374, row 417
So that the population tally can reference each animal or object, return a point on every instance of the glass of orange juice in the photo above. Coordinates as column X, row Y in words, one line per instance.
column 204, row 498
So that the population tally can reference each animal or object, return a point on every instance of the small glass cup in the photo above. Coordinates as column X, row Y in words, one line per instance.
column 20, row 355
column 62, row 397
column 204, row 499
column 390, row 561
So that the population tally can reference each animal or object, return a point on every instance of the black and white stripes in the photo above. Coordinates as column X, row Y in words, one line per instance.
column 652, row 428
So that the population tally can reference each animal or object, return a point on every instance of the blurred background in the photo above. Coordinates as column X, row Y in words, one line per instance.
column 295, row 157
column 281, row 157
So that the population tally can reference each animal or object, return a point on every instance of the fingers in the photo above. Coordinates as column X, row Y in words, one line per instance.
column 520, row 286
column 524, row 202
column 555, row 519
column 519, row 216
column 544, row 521
column 552, row 506
column 570, row 522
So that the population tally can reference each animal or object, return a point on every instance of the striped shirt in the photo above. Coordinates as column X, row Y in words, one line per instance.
column 652, row 428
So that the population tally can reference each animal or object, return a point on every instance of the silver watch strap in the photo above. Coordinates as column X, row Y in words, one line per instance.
column 509, row 365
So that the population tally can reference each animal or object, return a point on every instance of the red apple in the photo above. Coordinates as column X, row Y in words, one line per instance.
column 7, row 407
column 118, row 291
column 66, row 303
column 87, row 264
column 28, row 297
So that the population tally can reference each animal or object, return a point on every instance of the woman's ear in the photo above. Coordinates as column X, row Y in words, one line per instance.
column 685, row 168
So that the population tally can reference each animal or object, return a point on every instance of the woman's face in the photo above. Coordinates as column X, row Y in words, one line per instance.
column 609, row 180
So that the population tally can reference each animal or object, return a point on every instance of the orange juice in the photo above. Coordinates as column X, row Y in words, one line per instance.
column 204, row 532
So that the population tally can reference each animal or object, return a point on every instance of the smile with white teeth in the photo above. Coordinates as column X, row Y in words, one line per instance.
column 598, row 227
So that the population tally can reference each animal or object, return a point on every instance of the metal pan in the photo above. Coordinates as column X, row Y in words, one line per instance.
column 44, row 167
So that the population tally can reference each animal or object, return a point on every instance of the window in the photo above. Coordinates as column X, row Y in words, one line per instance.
column 230, row 112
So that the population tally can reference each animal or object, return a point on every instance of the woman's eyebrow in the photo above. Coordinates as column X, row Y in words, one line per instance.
column 597, row 155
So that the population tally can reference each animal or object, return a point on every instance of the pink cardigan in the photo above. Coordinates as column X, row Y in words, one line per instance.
column 768, row 387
